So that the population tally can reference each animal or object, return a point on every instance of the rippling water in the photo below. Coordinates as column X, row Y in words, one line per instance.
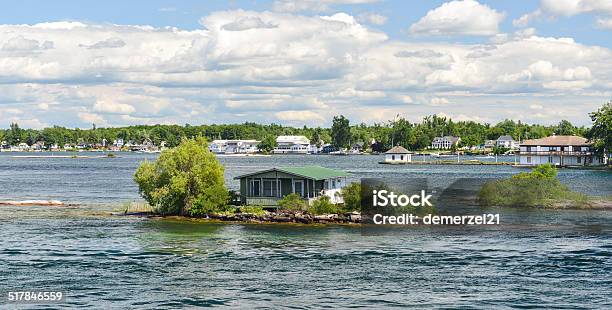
column 558, row 259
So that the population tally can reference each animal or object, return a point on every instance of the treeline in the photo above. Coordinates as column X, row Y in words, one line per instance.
column 400, row 131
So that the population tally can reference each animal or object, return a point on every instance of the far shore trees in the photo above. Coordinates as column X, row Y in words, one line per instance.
column 341, row 132
column 187, row 180
column 601, row 132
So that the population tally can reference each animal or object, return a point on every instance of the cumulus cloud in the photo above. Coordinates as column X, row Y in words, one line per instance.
column 304, row 74
column 108, row 43
column 525, row 19
column 293, row 6
column 246, row 23
column 107, row 106
column 604, row 23
column 567, row 8
column 372, row 18
column 574, row 7
column 20, row 43
column 298, row 115
column 461, row 17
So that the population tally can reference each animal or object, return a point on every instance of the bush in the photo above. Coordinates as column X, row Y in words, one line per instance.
column 292, row 202
column 255, row 210
column 186, row 180
column 540, row 187
column 352, row 197
column 322, row 205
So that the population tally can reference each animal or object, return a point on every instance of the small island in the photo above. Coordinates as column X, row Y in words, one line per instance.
column 539, row 188
column 188, row 181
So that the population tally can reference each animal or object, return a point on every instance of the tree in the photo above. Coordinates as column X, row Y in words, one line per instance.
column 267, row 144
column 186, row 180
column 341, row 132
column 565, row 128
column 601, row 132
column 316, row 137
column 352, row 197
column 292, row 202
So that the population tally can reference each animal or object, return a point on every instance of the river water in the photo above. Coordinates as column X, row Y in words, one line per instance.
column 560, row 259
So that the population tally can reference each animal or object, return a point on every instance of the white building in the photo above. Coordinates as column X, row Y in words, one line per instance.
column 398, row 155
column 445, row 142
column 233, row 146
column 292, row 145
column 559, row 151
column 507, row 142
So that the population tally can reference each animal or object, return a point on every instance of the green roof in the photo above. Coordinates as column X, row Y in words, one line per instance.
column 309, row 172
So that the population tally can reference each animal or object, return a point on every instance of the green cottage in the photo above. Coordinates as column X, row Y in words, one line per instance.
column 266, row 187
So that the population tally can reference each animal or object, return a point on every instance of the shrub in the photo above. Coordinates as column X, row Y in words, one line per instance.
column 292, row 202
column 255, row 210
column 322, row 205
column 186, row 180
column 540, row 187
column 352, row 197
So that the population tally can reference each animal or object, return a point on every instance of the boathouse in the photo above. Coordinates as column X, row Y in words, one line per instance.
column 266, row 187
column 398, row 155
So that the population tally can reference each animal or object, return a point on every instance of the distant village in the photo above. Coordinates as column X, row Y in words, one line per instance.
column 558, row 150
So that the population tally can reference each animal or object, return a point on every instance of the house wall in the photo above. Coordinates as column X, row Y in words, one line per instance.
column 567, row 160
column 398, row 158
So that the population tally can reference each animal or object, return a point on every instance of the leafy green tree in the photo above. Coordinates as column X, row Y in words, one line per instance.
column 565, row 128
column 267, row 144
column 601, row 132
column 352, row 197
column 186, row 180
column 292, row 202
column 323, row 205
column 340, row 131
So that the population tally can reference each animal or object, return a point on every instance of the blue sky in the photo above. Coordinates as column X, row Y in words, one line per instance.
column 186, row 15
column 115, row 63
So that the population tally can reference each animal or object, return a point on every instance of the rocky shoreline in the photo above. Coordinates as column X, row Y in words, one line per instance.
column 284, row 216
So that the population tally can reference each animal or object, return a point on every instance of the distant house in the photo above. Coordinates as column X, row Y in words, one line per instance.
column 266, row 187
column 233, row 146
column 292, row 145
column 507, row 142
column 118, row 143
column 445, row 142
column 328, row 148
column 559, row 151
column 356, row 147
column 398, row 155
column 490, row 144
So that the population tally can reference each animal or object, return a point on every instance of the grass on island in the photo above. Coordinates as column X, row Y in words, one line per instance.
column 137, row 207
column 538, row 188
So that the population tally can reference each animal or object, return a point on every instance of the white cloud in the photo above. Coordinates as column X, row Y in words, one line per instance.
column 465, row 17
column 567, row 8
column 438, row 101
column 19, row 43
column 108, row 106
column 604, row 23
column 91, row 118
column 312, row 5
column 306, row 69
column 524, row 20
column 298, row 115
column 246, row 23
column 372, row 18
column 574, row 7
column 108, row 43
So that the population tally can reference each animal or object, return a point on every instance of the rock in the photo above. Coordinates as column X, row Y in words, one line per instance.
column 32, row 203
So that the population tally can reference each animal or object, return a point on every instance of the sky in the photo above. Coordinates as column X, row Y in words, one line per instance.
column 116, row 63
